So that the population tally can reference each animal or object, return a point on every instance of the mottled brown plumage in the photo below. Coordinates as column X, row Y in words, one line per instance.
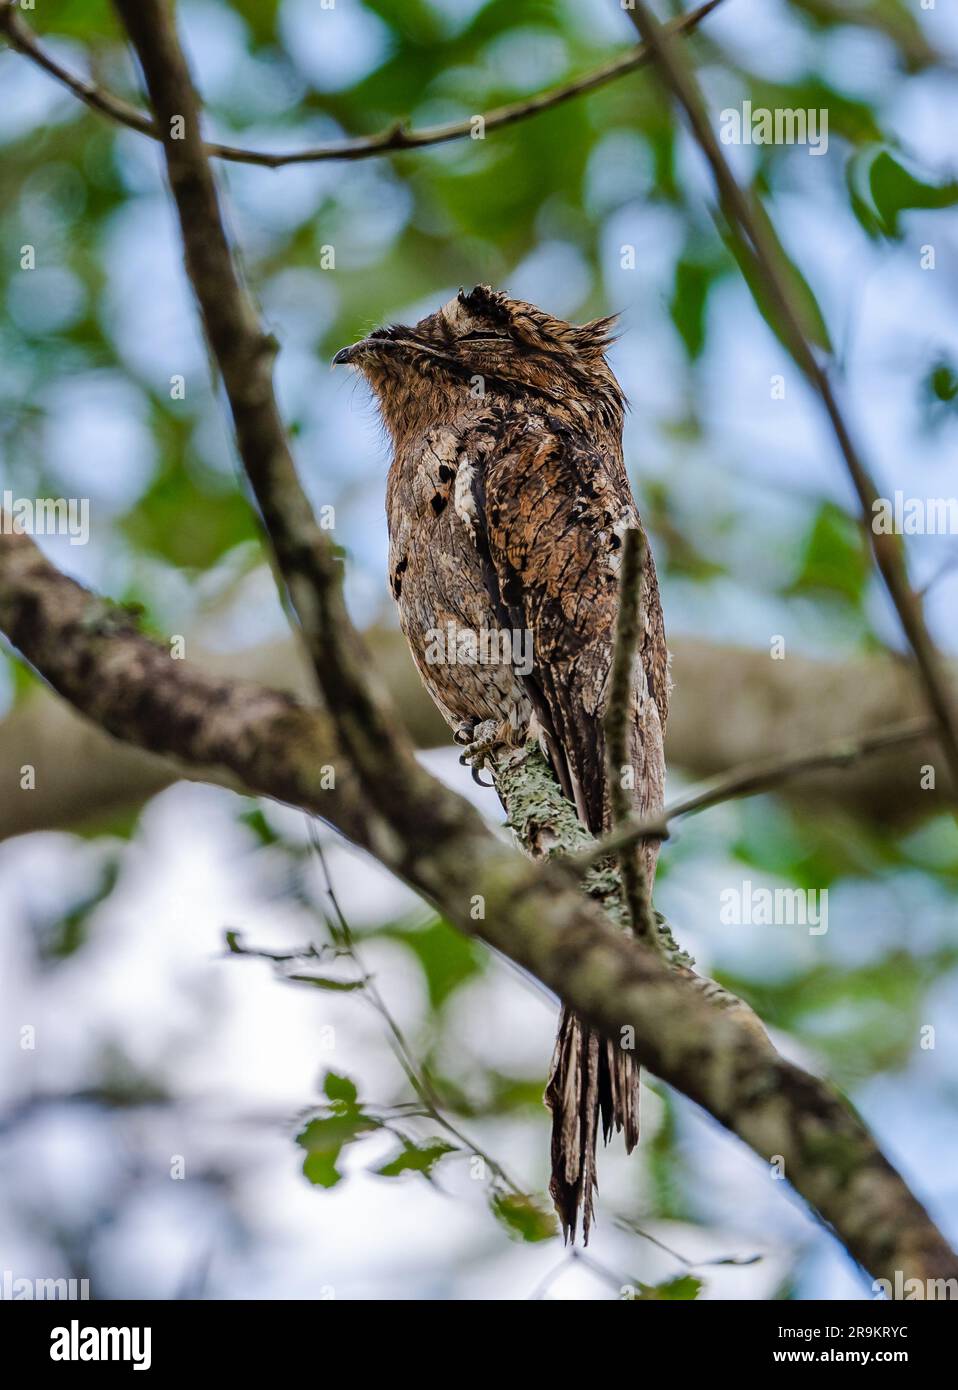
column 507, row 500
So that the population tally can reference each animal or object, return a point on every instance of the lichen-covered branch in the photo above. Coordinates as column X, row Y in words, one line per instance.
column 234, row 732
column 534, row 913
column 546, row 825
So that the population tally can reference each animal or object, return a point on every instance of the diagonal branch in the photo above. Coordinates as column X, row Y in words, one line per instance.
column 395, row 138
column 233, row 732
column 760, row 248
column 535, row 914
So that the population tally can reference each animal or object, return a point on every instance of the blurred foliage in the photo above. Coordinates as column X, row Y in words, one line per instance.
column 684, row 1286
column 835, row 558
column 862, row 1020
column 524, row 1217
column 882, row 189
column 59, row 935
column 448, row 959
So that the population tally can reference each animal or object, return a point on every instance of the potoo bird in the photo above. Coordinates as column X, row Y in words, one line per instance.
column 507, row 500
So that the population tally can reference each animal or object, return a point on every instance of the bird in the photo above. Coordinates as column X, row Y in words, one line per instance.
column 507, row 500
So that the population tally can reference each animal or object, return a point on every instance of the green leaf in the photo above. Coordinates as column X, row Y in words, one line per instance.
column 801, row 296
column 61, row 938
column 943, row 382
column 881, row 189
column 321, row 1169
column 524, row 1217
column 683, row 1286
column 834, row 557
column 329, row 1133
column 415, row 1158
column 693, row 280
column 325, row 1137
column 340, row 1088
column 260, row 826
column 448, row 959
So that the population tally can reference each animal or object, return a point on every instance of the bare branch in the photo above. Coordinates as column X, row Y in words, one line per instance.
column 753, row 778
column 888, row 551
column 395, row 138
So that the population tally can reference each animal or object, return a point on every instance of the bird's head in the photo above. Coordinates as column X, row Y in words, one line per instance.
column 483, row 345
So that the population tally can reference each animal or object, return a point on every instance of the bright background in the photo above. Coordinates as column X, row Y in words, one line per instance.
column 152, row 1041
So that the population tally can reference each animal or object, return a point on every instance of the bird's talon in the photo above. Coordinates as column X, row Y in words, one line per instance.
column 485, row 737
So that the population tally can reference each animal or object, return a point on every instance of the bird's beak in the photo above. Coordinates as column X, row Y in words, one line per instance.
column 373, row 346
column 349, row 354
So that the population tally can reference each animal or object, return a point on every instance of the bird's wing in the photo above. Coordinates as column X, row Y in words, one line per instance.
column 550, row 510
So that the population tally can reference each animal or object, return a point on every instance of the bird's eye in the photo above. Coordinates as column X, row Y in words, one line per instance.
column 480, row 337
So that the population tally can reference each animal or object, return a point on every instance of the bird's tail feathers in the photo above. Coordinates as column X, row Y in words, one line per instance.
column 591, row 1079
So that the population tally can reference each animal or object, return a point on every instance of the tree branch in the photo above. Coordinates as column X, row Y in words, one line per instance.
column 761, row 248
column 756, row 777
column 233, row 732
column 535, row 914
column 619, row 716
column 395, row 138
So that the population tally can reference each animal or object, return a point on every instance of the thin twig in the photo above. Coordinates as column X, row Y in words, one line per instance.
column 760, row 246
column 625, row 1223
column 750, row 780
column 617, row 727
column 395, row 138
column 417, row 1076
